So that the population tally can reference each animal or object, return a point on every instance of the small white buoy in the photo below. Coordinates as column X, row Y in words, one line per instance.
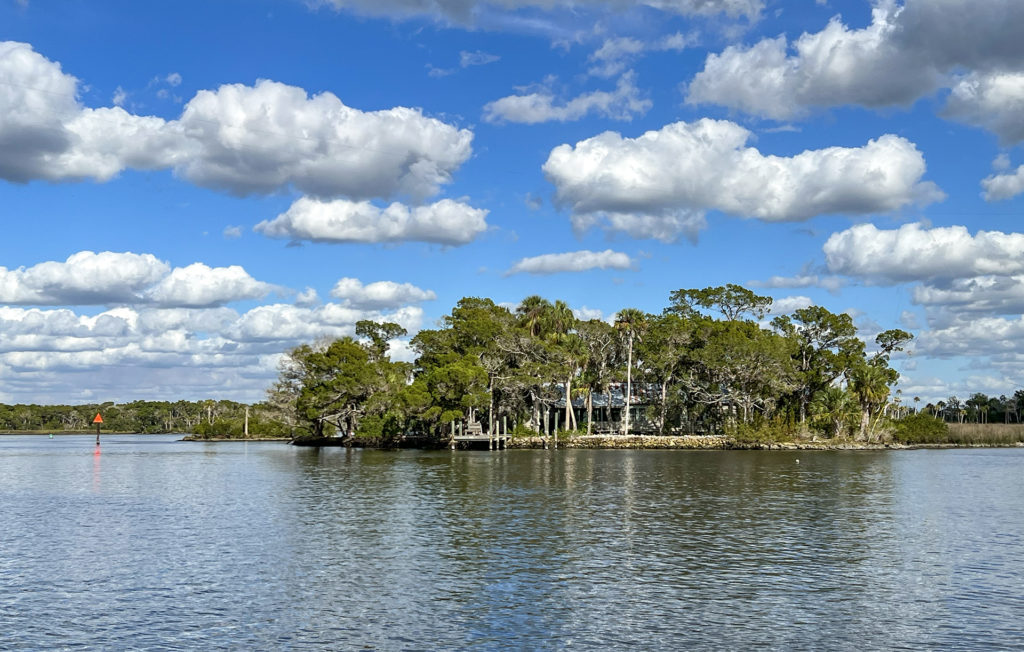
column 798, row 461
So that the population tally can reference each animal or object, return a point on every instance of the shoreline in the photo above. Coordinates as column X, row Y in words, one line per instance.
column 714, row 442
column 223, row 439
column 657, row 442
column 592, row 442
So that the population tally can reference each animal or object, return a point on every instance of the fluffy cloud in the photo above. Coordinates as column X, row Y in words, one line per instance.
column 916, row 253
column 200, row 286
column 584, row 313
column 957, row 275
column 467, row 12
column 379, row 295
column 991, row 101
column 832, row 67
column 46, row 134
column 621, row 104
column 307, row 298
column 660, row 184
column 105, row 278
column 283, row 323
column 85, row 278
column 1003, row 186
column 574, row 261
column 446, row 222
column 50, row 355
column 271, row 136
column 240, row 139
column 930, row 39
column 980, row 294
column 786, row 305
column 974, row 337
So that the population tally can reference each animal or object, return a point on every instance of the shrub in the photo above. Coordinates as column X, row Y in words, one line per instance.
column 920, row 428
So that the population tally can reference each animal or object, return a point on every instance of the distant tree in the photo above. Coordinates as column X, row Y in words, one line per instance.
column 734, row 302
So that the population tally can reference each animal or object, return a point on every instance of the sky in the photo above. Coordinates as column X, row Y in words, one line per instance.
column 190, row 189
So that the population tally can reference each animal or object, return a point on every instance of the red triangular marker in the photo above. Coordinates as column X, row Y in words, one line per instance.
column 98, row 418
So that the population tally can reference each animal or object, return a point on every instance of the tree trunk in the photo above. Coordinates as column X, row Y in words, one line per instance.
column 590, row 411
column 661, row 425
column 569, row 415
column 629, row 383
column 865, row 417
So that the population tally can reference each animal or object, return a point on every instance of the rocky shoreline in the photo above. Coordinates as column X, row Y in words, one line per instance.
column 641, row 442
column 715, row 442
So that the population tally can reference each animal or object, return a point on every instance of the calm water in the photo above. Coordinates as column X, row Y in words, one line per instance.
column 155, row 543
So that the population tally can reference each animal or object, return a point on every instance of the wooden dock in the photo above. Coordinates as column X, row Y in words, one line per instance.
column 493, row 442
column 474, row 434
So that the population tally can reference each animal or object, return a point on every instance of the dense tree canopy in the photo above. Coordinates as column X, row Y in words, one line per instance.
column 704, row 365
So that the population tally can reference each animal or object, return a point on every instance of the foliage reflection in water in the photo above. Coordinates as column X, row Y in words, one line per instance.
column 155, row 542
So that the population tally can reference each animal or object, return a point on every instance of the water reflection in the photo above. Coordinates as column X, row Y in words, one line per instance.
column 158, row 543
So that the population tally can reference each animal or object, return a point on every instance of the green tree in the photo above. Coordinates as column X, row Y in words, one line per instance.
column 734, row 302
column 632, row 323
column 826, row 349
column 870, row 384
column 833, row 405
column 335, row 383
column 599, row 339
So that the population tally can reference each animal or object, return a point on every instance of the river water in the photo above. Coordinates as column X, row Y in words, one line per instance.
column 156, row 543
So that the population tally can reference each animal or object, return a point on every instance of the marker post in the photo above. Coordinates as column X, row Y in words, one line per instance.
column 98, row 421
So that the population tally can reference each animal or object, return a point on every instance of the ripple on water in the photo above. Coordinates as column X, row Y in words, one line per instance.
column 156, row 543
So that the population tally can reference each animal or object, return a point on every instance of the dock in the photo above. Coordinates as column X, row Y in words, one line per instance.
column 474, row 434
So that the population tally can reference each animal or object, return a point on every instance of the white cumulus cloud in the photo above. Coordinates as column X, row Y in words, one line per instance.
column 573, row 261
column 379, row 295
column 916, row 253
column 85, row 278
column 992, row 101
column 661, row 184
column 108, row 278
column 911, row 49
column 786, row 305
column 239, row 139
column 446, row 222
column 259, row 139
column 1003, row 186
column 198, row 285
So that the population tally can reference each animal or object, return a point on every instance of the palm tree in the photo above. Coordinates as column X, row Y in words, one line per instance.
column 559, row 325
column 632, row 322
column 532, row 313
column 870, row 384
column 833, row 404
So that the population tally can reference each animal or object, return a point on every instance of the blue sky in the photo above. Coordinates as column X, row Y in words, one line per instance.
column 190, row 189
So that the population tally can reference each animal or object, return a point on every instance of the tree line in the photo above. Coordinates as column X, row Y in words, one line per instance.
column 204, row 418
column 708, row 363
column 978, row 408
